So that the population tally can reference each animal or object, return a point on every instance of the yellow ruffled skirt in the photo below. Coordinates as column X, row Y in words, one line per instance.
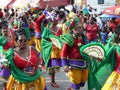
column 78, row 76
column 38, row 84
column 113, row 82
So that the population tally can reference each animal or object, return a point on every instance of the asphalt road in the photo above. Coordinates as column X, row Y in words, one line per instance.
column 61, row 79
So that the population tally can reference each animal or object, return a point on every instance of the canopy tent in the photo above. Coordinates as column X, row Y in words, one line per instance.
column 17, row 3
column 109, row 16
column 24, row 3
column 33, row 3
column 114, row 10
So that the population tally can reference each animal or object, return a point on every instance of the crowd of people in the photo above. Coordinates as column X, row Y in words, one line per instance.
column 31, row 40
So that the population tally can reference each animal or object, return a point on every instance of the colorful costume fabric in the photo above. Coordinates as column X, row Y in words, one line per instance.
column 55, row 57
column 50, row 53
column 4, row 46
column 72, row 58
column 38, row 31
column 113, row 82
column 105, row 75
column 19, row 80
column 94, row 72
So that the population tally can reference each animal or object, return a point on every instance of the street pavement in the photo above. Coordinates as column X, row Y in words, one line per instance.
column 61, row 79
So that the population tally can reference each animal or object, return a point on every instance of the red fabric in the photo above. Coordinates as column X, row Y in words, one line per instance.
column 117, row 56
column 21, row 63
column 112, row 25
column 7, row 45
column 37, row 23
column 71, row 52
column 91, row 31
column 59, row 32
column 117, row 21
column 31, row 25
column 114, row 10
column 1, row 14
column 9, row 5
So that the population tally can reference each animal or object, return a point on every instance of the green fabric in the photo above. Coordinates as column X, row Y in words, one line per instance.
column 59, row 42
column 49, row 24
column 46, row 33
column 27, row 33
column 16, row 22
column 17, row 73
column 100, row 71
column 36, row 12
column 77, row 20
column 46, row 44
column 2, row 40
column 91, row 44
column 67, row 23
column 68, row 39
column 46, row 50
column 3, row 53
column 42, row 27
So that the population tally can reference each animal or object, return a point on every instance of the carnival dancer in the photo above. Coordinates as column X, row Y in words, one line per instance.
column 37, row 27
column 71, row 59
column 23, row 63
column 51, row 53
column 6, row 42
column 113, row 59
column 104, row 73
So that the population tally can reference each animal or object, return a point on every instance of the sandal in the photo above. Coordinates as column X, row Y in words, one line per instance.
column 54, row 85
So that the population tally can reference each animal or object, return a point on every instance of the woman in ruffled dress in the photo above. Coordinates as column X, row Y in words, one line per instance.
column 23, row 62
column 6, row 42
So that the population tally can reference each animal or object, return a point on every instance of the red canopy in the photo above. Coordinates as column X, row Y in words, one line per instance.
column 9, row 5
column 54, row 3
column 115, row 10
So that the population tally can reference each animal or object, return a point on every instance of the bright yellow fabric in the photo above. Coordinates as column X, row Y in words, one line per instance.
column 77, row 76
column 38, row 84
column 56, row 52
column 32, row 41
column 65, row 29
column 38, row 44
column 113, row 82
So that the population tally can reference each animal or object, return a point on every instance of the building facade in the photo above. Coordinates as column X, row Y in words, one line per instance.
column 100, row 5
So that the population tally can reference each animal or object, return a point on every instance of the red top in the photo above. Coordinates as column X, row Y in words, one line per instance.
column 37, row 23
column 22, row 63
column 117, row 56
column 59, row 32
column 7, row 45
column 91, row 31
column 72, row 52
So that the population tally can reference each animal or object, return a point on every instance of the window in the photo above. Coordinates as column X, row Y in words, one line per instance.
column 100, row 1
